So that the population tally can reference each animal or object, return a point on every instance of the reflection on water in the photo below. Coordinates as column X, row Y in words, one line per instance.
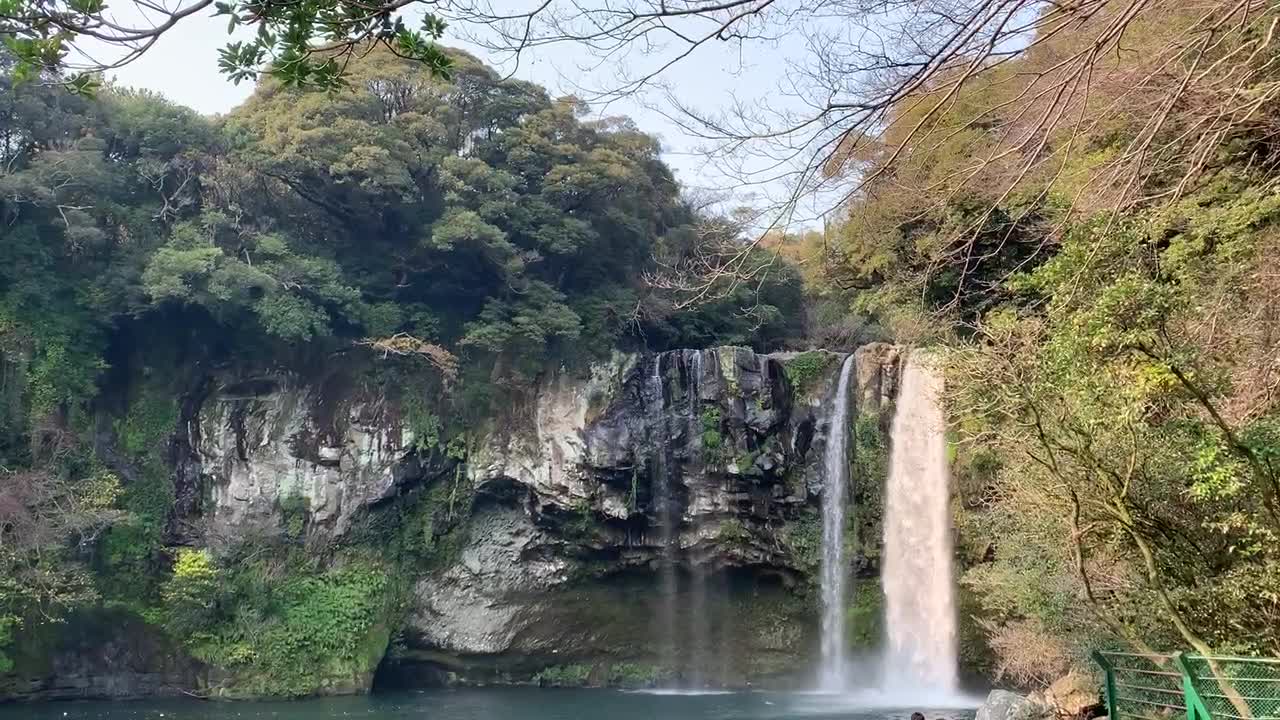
column 524, row 704
column 883, row 704
column 677, row 692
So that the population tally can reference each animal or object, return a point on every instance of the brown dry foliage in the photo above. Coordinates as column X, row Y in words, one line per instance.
column 406, row 345
column 1027, row 654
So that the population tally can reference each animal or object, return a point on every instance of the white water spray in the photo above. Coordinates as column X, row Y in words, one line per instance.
column 920, row 612
column 836, row 471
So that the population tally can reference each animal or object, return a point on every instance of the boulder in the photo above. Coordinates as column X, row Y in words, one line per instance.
column 1074, row 695
column 1005, row 705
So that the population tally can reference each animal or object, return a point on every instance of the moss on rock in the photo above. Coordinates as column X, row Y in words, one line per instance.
column 807, row 370
column 803, row 538
column 864, row 616
column 869, row 470
column 573, row 675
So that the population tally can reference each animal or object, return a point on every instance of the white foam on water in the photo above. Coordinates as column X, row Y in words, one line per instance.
column 934, row 704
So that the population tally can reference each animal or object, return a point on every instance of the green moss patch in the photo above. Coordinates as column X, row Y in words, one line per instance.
column 806, row 371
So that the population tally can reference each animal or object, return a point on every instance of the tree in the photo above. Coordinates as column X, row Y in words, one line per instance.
column 1115, row 424
column 862, row 73
column 473, row 210
column 302, row 45
column 40, row 513
column 1093, row 268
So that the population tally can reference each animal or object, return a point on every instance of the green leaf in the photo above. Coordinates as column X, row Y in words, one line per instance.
column 84, row 84
column 434, row 26
column 87, row 7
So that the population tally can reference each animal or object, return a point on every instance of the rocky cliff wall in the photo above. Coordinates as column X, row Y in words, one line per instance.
column 549, row 535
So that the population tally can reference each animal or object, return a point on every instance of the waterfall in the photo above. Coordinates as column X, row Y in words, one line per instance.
column 699, row 629
column 682, row 617
column 836, row 471
column 666, row 513
column 920, row 612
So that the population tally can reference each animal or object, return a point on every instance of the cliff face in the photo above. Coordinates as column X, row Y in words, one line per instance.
column 648, row 519
column 702, row 463
column 332, row 449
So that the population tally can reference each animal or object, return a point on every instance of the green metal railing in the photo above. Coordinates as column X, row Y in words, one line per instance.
column 1158, row 686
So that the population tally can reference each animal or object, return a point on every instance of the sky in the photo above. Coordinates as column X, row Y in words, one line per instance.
column 182, row 65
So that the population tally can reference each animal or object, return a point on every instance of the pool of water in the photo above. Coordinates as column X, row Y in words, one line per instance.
column 510, row 704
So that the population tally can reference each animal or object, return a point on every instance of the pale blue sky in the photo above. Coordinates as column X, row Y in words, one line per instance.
column 183, row 66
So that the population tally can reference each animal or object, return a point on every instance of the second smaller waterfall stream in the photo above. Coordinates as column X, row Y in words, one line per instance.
column 836, row 471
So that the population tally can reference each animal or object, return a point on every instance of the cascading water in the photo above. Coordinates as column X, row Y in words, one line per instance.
column 665, row 510
column 699, row 628
column 836, row 471
column 920, row 612
column 682, row 618
column 919, row 663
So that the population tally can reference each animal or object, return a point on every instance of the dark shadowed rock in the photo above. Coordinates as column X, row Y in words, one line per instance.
column 99, row 654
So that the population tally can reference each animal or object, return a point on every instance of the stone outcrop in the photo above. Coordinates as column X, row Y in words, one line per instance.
column 1005, row 705
column 876, row 365
column 581, row 472
column 329, row 448
column 734, row 438
column 1074, row 695
column 471, row 605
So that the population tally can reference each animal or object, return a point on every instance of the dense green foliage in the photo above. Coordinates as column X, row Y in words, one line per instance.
column 459, row 234
column 867, row 468
column 1101, row 293
column 282, row 628
column 864, row 617
column 1110, row 363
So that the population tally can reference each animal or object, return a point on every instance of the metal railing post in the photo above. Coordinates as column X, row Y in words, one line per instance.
column 1109, row 681
column 1196, row 709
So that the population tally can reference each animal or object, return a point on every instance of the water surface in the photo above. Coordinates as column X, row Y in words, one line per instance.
column 497, row 704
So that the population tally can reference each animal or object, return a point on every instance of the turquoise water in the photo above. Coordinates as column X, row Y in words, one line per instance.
column 496, row 704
